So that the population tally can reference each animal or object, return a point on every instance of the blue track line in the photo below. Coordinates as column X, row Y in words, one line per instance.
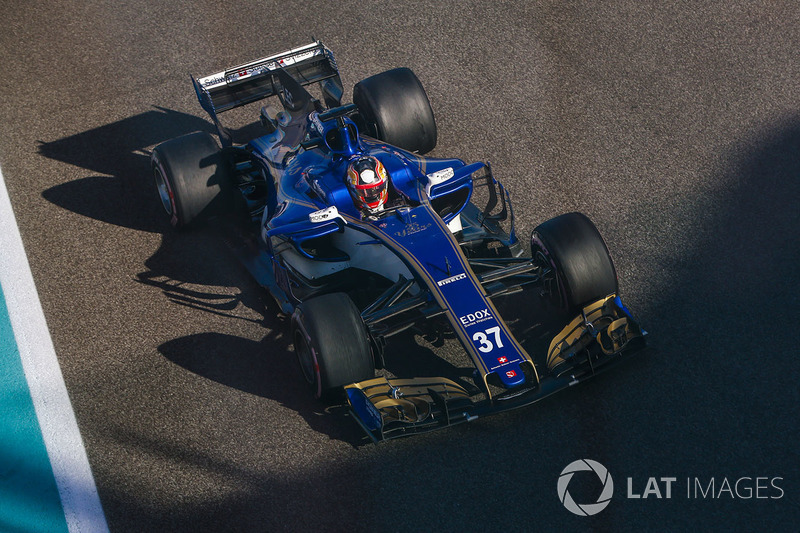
column 46, row 483
column 29, row 499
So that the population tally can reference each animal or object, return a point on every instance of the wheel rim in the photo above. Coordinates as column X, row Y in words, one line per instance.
column 552, row 284
column 164, row 190
column 305, row 357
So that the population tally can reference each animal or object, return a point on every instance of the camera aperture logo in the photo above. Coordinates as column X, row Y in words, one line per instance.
column 585, row 509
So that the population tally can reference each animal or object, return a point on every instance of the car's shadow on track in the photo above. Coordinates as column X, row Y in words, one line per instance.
column 121, row 193
column 265, row 368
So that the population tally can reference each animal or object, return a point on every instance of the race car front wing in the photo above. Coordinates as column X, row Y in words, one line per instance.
column 601, row 336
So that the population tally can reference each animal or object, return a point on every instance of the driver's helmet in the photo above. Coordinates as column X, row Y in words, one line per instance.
column 368, row 183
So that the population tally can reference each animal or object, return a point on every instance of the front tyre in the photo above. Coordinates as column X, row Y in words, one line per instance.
column 331, row 343
column 192, row 179
column 573, row 249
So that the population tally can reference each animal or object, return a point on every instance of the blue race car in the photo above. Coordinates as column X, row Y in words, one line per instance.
column 359, row 238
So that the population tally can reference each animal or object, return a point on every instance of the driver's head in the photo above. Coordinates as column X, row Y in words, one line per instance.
column 368, row 183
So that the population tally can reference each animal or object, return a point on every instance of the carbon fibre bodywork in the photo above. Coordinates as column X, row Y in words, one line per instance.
column 435, row 259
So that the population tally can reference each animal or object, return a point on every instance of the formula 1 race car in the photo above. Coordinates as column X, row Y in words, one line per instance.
column 359, row 237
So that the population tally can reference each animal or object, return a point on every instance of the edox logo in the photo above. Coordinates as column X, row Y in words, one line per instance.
column 585, row 509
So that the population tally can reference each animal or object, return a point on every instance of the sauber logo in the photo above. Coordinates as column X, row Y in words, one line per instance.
column 451, row 279
column 477, row 317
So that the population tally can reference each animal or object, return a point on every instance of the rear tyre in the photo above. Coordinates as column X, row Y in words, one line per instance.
column 192, row 179
column 583, row 270
column 331, row 344
column 396, row 110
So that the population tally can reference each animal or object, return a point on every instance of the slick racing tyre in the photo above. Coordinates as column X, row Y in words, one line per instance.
column 192, row 179
column 396, row 110
column 583, row 271
column 331, row 344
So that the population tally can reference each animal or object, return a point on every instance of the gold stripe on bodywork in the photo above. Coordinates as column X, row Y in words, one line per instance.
column 474, row 280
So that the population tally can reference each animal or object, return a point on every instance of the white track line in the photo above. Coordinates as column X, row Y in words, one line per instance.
column 62, row 439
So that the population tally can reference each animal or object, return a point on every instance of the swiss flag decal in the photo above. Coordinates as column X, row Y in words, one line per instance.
column 502, row 360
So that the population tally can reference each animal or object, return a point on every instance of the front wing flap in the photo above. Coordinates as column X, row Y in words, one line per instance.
column 606, row 325
column 389, row 408
column 601, row 336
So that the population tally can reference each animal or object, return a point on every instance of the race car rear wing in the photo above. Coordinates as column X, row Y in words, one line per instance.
column 259, row 79
column 253, row 81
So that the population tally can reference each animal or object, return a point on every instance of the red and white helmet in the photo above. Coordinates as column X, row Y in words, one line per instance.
column 368, row 183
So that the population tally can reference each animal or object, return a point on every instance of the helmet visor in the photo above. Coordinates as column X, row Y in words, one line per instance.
column 372, row 194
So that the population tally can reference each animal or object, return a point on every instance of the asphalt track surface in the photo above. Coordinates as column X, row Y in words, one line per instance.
column 674, row 125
